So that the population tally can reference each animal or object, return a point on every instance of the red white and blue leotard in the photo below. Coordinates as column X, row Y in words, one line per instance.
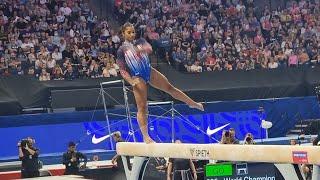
column 135, row 63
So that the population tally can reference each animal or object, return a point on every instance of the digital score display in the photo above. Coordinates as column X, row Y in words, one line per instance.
column 214, row 170
column 240, row 171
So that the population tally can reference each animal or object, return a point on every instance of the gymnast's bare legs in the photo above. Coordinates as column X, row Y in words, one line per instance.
column 157, row 80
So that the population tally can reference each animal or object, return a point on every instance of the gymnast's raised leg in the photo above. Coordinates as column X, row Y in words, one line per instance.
column 159, row 81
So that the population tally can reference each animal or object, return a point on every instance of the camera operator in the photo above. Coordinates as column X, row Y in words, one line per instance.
column 226, row 137
column 249, row 139
column 71, row 159
column 28, row 154
column 233, row 137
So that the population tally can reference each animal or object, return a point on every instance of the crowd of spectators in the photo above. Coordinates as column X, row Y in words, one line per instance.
column 55, row 39
column 63, row 39
column 216, row 35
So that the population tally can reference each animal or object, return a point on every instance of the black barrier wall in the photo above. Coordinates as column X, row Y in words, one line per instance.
column 17, row 93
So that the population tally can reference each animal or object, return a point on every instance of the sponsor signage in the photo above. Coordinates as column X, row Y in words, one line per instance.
column 199, row 153
column 240, row 171
column 300, row 157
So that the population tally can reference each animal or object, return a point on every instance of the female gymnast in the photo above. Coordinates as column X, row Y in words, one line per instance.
column 135, row 68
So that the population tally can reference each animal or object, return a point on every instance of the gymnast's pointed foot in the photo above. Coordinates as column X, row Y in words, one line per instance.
column 198, row 106
column 148, row 140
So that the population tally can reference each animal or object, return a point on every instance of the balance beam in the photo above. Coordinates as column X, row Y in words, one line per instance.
column 248, row 153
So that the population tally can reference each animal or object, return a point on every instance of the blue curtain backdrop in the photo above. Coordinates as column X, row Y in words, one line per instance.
column 53, row 131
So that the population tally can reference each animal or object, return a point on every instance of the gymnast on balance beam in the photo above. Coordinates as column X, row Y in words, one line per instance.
column 135, row 68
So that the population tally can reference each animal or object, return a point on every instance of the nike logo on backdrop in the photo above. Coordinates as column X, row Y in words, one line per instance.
column 215, row 130
column 96, row 140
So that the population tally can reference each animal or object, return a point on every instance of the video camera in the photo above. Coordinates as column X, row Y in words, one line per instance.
column 24, row 142
column 227, row 133
column 248, row 139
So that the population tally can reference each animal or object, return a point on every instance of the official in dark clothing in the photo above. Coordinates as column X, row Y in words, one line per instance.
column 116, row 160
column 71, row 159
column 118, row 166
column 29, row 157
column 181, row 169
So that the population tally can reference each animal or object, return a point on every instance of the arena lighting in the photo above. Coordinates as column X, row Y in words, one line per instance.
column 266, row 125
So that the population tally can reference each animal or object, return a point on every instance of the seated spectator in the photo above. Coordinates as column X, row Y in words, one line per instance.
column 188, row 60
column 152, row 35
column 26, row 45
column 105, row 72
column 115, row 38
column 69, row 73
column 178, row 57
column 43, row 52
column 317, row 61
column 202, row 55
column 40, row 63
column 210, row 62
column 51, row 63
column 32, row 57
column 65, row 10
column 281, row 59
column 31, row 71
column 195, row 67
column 272, row 64
column 44, row 76
column 3, row 65
column 57, row 73
column 167, row 58
column 303, row 57
column 19, row 71
column 56, row 55
column 228, row 65
column 293, row 59
column 95, row 71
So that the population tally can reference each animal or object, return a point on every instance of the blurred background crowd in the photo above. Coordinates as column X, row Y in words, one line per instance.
column 55, row 39
column 64, row 39
column 216, row 35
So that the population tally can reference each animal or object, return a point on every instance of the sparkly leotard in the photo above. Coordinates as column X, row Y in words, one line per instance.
column 136, row 63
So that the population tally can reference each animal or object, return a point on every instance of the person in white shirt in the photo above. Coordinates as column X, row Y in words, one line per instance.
column 44, row 76
column 112, row 69
column 79, row 52
column 43, row 51
column 42, row 2
column 60, row 17
column 115, row 38
column 195, row 67
column 56, row 55
column 65, row 10
column 272, row 64
column 26, row 45
column 51, row 63
column 62, row 45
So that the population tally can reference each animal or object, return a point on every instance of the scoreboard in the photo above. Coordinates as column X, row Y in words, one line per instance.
column 241, row 171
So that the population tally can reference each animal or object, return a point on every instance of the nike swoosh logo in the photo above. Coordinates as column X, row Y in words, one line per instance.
column 215, row 130
column 96, row 140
